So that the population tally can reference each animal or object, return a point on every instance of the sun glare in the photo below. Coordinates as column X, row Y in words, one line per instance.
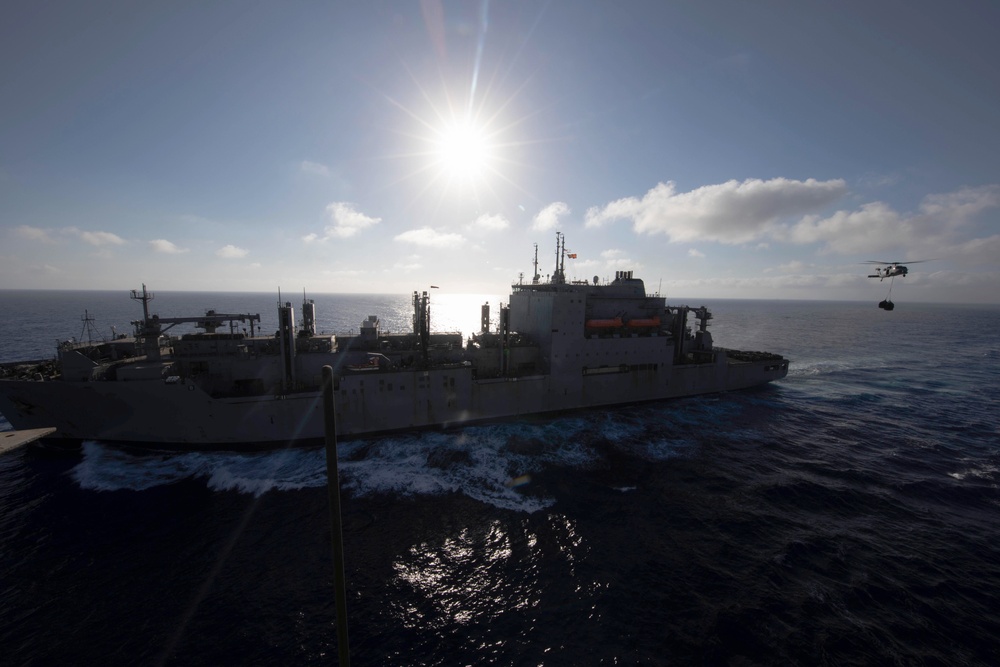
column 462, row 152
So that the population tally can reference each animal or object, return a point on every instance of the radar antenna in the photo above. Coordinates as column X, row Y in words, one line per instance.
column 145, row 297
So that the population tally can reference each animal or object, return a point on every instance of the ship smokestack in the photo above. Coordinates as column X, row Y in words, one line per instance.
column 286, row 335
column 308, row 316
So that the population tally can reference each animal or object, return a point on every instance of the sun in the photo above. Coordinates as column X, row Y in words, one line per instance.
column 462, row 151
column 459, row 150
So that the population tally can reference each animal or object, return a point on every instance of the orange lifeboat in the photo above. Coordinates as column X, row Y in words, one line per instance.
column 645, row 322
column 604, row 324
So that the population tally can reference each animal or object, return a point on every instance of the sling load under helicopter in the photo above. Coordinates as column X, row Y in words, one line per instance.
column 890, row 270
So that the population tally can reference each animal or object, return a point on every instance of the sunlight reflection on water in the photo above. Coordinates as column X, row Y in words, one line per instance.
column 460, row 578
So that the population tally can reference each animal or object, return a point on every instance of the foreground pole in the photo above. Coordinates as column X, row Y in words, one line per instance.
column 336, row 524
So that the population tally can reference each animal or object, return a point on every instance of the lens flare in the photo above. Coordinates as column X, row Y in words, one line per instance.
column 462, row 151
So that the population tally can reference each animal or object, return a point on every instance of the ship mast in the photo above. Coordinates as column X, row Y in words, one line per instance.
column 559, row 277
column 146, row 297
column 88, row 327
column 422, row 322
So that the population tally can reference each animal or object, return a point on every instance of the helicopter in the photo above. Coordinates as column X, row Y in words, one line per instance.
column 892, row 269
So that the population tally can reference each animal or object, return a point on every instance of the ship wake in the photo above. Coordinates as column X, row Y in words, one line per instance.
column 493, row 464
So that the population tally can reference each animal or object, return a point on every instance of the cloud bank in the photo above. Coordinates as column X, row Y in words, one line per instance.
column 733, row 212
column 792, row 211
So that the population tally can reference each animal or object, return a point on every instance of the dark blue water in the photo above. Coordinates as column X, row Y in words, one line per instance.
column 846, row 515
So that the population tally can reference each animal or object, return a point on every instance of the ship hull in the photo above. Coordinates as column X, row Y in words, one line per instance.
column 558, row 347
column 179, row 413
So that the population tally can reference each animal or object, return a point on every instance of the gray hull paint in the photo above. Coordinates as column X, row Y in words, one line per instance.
column 157, row 412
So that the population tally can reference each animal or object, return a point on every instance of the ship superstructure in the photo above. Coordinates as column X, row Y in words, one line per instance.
column 559, row 345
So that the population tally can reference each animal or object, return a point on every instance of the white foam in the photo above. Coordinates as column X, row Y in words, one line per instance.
column 473, row 462
column 494, row 464
column 401, row 466
column 810, row 367
column 256, row 474
column 984, row 471
column 104, row 468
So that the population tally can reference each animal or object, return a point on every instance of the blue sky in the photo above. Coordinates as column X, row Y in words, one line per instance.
column 717, row 149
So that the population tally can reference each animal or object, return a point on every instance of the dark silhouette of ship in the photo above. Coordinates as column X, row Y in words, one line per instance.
column 559, row 346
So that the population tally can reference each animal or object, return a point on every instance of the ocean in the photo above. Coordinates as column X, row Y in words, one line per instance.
column 847, row 514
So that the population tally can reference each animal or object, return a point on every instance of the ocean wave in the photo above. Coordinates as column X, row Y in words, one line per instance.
column 106, row 468
column 494, row 464
column 989, row 472
column 811, row 367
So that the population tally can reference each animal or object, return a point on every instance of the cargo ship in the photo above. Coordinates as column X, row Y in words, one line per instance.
column 558, row 346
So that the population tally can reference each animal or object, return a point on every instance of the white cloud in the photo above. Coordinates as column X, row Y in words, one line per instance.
column 974, row 252
column 491, row 223
column 756, row 211
column 45, row 269
column 34, row 234
column 873, row 227
column 695, row 253
column 624, row 264
column 231, row 252
column 431, row 238
column 166, row 247
column 314, row 168
column 876, row 227
column 346, row 223
column 548, row 217
column 413, row 266
column 962, row 205
column 615, row 258
column 732, row 212
column 97, row 238
column 794, row 266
